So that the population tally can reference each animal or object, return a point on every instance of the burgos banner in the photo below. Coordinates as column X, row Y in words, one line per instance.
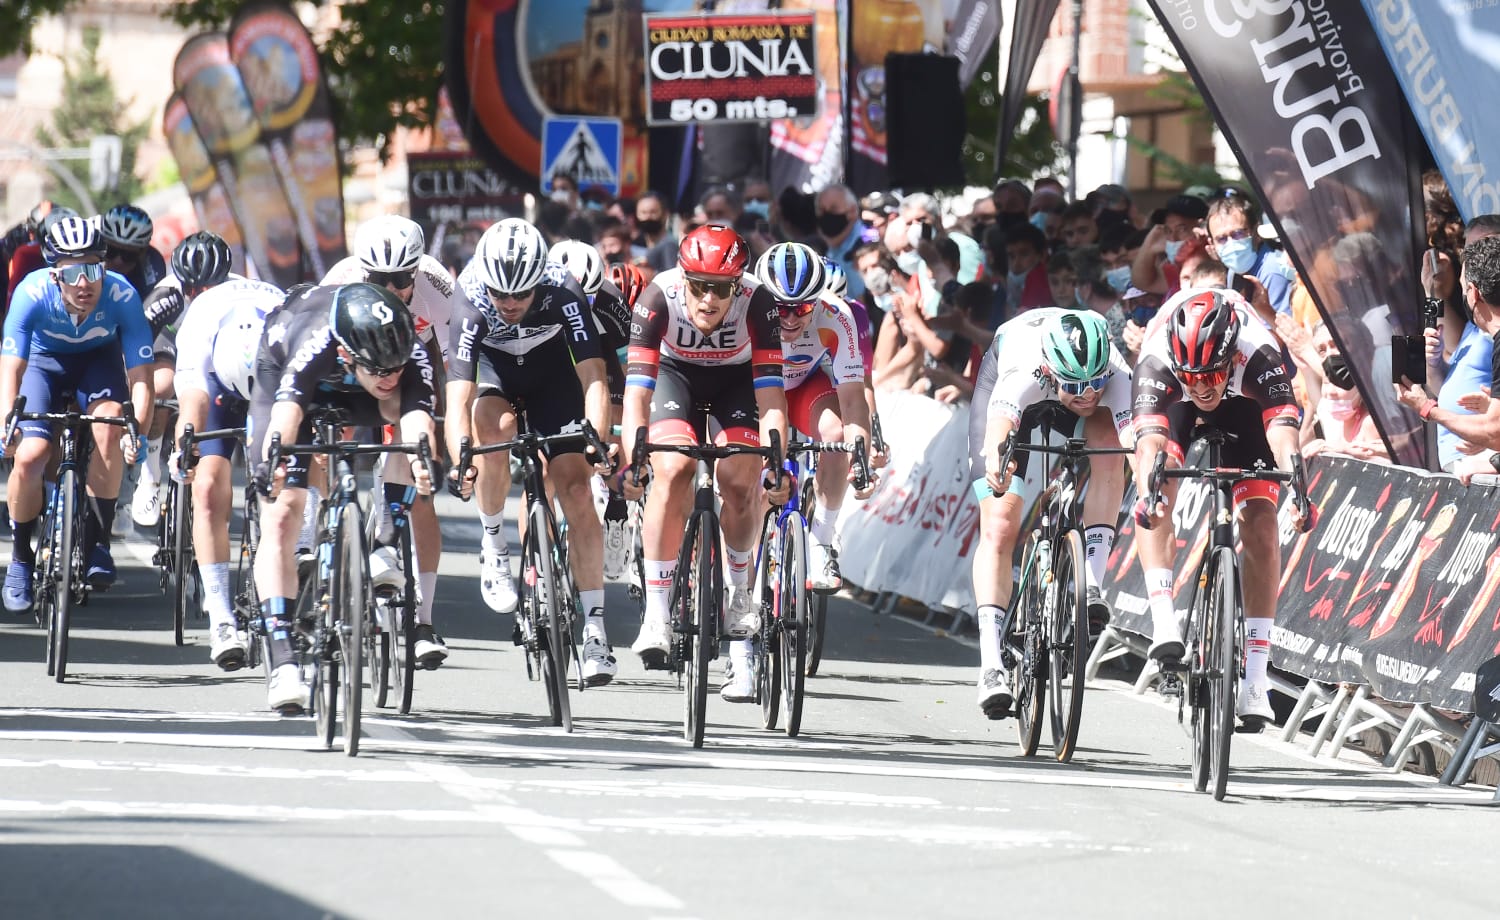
column 730, row 67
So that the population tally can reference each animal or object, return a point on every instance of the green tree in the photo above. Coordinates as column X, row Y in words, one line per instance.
column 90, row 108
column 1033, row 151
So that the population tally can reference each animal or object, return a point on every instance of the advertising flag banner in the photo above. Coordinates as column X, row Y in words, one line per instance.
column 1304, row 97
column 808, row 153
column 279, row 68
column 730, row 67
column 225, row 119
column 1028, row 32
column 1447, row 57
column 210, row 201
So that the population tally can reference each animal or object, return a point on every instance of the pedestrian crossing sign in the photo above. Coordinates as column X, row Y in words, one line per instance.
column 586, row 150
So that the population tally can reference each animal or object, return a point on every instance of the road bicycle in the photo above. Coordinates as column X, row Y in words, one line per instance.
column 335, row 606
column 1208, row 679
column 175, row 558
column 696, row 600
column 62, row 556
column 1047, row 646
column 548, row 612
column 789, row 626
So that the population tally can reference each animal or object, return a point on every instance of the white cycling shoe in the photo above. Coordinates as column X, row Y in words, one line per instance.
column 615, row 550
column 823, row 567
column 1254, row 705
column 226, row 648
column 652, row 643
column 739, row 682
column 385, row 568
column 287, row 692
column 1166, row 642
column 496, row 585
column 741, row 614
column 995, row 698
column 145, row 505
column 599, row 667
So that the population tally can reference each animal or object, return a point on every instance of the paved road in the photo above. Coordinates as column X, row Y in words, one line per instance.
column 151, row 785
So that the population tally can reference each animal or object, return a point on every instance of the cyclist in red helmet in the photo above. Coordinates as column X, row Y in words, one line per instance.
column 1211, row 363
column 705, row 332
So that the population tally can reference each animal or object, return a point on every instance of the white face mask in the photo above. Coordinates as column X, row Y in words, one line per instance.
column 909, row 261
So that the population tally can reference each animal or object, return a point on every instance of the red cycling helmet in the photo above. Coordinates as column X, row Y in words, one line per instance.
column 713, row 251
column 628, row 279
column 1202, row 333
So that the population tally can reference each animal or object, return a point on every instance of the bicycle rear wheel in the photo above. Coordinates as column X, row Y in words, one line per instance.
column 166, row 542
column 246, row 599
column 184, row 581
column 70, row 567
column 403, row 638
column 1028, row 673
column 768, row 676
column 316, row 624
column 1201, row 631
column 350, row 604
column 1225, row 596
column 793, row 620
column 1068, row 643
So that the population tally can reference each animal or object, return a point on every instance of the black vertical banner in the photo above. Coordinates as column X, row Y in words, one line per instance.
column 1028, row 32
column 1309, row 103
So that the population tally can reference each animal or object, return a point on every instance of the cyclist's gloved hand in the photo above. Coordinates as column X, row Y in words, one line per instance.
column 421, row 474
column 174, row 468
column 131, row 448
column 464, row 488
column 1145, row 516
column 1309, row 520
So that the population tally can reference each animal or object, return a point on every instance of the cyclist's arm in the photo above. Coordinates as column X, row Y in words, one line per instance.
column 17, row 348
column 766, row 361
column 163, row 306
column 466, row 330
column 434, row 295
column 648, row 325
column 1155, row 388
column 596, row 407
column 286, row 420
column 414, row 426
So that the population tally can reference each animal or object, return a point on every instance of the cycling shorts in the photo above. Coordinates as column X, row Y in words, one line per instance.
column 226, row 409
column 1240, row 416
column 53, row 382
column 727, row 391
column 802, row 403
column 544, row 383
column 1036, row 420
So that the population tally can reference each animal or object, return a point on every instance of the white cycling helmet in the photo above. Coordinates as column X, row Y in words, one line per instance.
column 126, row 225
column 70, row 237
column 511, row 256
column 835, row 279
column 582, row 262
column 235, row 347
column 389, row 243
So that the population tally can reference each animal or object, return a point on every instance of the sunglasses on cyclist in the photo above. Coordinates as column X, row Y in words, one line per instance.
column 123, row 255
column 1204, row 378
column 717, row 289
column 398, row 280
column 797, row 309
column 381, row 372
column 1078, row 389
column 86, row 271
column 517, row 297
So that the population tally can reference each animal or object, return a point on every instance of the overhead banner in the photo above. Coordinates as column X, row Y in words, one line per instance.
column 1396, row 588
column 808, row 153
column 1446, row 57
column 730, row 67
column 1028, row 29
column 205, row 190
column 224, row 118
column 881, row 27
column 458, row 187
column 1304, row 97
column 279, row 68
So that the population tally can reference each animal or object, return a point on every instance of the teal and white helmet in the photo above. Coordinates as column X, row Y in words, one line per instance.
column 1075, row 346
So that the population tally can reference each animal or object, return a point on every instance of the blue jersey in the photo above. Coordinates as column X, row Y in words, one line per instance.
column 37, row 320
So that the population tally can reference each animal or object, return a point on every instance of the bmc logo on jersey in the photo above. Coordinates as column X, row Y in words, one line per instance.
column 574, row 313
column 466, row 336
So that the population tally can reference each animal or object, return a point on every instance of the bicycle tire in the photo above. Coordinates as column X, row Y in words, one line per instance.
column 246, row 599
column 1225, row 593
column 700, row 599
column 1067, row 643
column 768, row 676
column 793, row 621
column 404, row 639
column 1201, row 629
column 312, row 626
column 69, row 553
column 560, row 616
column 1029, row 675
column 46, row 576
column 817, row 623
column 541, row 583
column 349, row 604
column 166, row 541
column 183, row 557
column 569, row 603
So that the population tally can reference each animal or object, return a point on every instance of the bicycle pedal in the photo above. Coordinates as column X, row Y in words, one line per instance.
column 654, row 660
column 1171, row 685
column 1174, row 666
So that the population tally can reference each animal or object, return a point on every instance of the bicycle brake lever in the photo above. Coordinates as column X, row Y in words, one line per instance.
column 861, row 465
column 465, row 460
column 638, row 456
column 424, row 454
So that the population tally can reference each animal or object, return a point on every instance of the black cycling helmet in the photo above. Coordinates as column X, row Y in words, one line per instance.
column 201, row 260
column 373, row 324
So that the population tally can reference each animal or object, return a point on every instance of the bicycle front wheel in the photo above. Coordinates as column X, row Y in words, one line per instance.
column 1225, row 598
column 702, row 600
column 794, row 616
column 817, row 622
column 1028, row 672
column 349, row 603
column 546, row 608
column 1068, row 631
column 768, row 675
column 402, row 644
column 48, row 575
column 69, row 568
column 184, row 579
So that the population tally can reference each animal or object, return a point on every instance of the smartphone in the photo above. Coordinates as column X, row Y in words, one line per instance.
column 1409, row 358
column 1432, row 308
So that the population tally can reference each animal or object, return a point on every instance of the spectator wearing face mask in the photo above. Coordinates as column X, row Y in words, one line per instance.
column 1233, row 222
column 1140, row 308
column 1093, row 290
column 1343, row 424
column 1117, row 248
column 757, row 199
column 841, row 228
column 1158, row 261
column 1026, row 274
column 564, row 192
column 652, row 234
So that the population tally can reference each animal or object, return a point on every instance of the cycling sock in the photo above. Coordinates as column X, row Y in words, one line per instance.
column 1257, row 648
column 739, row 565
column 428, row 585
column 659, row 574
column 150, row 475
column 493, row 525
column 104, row 518
column 216, row 592
column 1159, row 593
column 821, row 525
column 991, row 618
column 273, row 617
column 1097, row 541
column 308, row 536
column 616, row 509
column 593, row 609
column 22, row 533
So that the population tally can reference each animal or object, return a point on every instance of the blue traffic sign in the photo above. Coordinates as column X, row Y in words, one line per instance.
column 586, row 150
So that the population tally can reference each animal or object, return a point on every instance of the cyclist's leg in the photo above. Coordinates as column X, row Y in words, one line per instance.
column 1255, row 503
column 42, row 385
column 992, row 570
column 664, row 517
column 145, row 504
column 494, row 420
column 742, row 507
column 101, row 389
column 1101, row 508
column 617, row 540
column 813, row 408
column 1157, row 546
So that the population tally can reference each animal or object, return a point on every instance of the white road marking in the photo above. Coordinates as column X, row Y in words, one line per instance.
column 614, row 879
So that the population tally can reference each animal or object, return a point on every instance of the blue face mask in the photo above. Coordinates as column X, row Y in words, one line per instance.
column 1118, row 279
column 1039, row 221
column 1172, row 249
column 1237, row 255
column 885, row 301
column 1016, row 280
column 910, row 262
column 761, row 209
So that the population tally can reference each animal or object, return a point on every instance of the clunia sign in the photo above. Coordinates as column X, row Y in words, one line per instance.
column 730, row 67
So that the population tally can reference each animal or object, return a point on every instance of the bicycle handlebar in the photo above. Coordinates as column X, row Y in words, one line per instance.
column 18, row 414
column 1297, row 477
column 187, row 458
column 530, row 441
column 644, row 448
column 277, row 452
column 859, row 457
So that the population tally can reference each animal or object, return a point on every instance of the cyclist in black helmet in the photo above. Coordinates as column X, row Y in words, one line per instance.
column 352, row 347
